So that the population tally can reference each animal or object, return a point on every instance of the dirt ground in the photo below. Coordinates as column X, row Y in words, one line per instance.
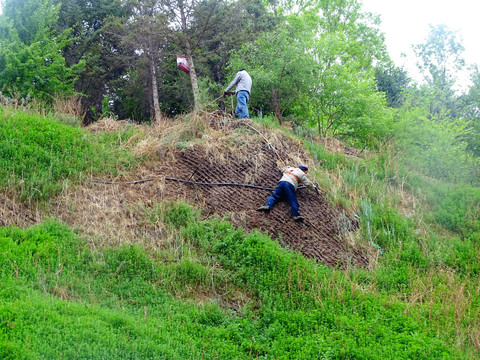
column 321, row 236
column 233, row 152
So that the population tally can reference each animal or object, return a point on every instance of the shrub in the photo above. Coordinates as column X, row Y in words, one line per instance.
column 455, row 207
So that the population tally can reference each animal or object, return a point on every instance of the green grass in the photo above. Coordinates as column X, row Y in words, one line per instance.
column 61, row 299
column 38, row 154
column 210, row 291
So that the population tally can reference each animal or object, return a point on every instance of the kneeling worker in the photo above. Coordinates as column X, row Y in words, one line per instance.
column 286, row 190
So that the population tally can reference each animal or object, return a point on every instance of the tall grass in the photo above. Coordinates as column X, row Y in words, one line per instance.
column 212, row 291
column 61, row 299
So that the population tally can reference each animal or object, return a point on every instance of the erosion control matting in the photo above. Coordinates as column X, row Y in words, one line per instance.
column 320, row 236
column 231, row 152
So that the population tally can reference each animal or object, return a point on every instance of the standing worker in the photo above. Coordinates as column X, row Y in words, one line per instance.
column 286, row 189
column 243, row 86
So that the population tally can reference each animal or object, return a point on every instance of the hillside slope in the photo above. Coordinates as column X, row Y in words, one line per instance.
column 235, row 152
column 158, row 277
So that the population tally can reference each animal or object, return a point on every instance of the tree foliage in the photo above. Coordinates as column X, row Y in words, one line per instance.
column 470, row 111
column 324, row 76
column 280, row 81
column 105, row 64
column 394, row 82
column 439, row 59
column 430, row 144
column 345, row 92
column 143, row 37
column 31, row 52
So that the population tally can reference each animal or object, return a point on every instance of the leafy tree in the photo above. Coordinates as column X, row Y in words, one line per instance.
column 393, row 81
column 31, row 52
column 344, row 99
column 280, row 81
column 431, row 145
column 366, row 44
column 346, row 103
column 189, row 21
column 470, row 111
column 207, row 31
column 324, row 74
column 439, row 59
column 105, row 64
column 144, row 36
column 236, row 24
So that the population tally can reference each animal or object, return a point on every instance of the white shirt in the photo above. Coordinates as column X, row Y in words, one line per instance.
column 295, row 176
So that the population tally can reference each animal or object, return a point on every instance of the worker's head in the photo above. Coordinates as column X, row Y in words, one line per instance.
column 242, row 70
column 303, row 168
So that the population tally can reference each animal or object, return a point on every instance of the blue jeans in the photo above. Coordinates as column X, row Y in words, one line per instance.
column 242, row 99
column 284, row 191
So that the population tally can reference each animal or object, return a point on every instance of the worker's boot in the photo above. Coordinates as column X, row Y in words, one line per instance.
column 264, row 208
column 298, row 218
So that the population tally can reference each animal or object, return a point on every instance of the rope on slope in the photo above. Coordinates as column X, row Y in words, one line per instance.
column 123, row 183
column 188, row 182
column 219, row 184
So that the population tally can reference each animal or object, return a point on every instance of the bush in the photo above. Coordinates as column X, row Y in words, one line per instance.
column 455, row 207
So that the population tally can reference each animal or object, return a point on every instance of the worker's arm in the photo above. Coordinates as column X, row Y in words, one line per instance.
column 305, row 181
column 233, row 83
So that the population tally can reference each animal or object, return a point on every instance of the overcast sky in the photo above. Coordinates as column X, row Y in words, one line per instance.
column 406, row 22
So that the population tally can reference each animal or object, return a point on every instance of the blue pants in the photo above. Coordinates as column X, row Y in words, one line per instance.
column 284, row 191
column 242, row 99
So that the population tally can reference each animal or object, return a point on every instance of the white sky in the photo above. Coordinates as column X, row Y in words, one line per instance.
column 405, row 23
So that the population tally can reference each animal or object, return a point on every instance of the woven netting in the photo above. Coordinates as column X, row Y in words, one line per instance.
column 323, row 233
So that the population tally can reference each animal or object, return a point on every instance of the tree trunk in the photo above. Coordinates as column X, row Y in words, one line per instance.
column 276, row 105
column 193, row 75
column 157, row 114
column 188, row 55
column 320, row 126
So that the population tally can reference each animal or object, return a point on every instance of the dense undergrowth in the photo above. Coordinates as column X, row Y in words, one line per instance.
column 215, row 292
column 64, row 300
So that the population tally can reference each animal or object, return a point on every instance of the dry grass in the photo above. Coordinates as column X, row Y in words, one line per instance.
column 409, row 203
column 112, row 215
column 15, row 213
column 70, row 106
column 333, row 145
column 109, row 124
column 216, row 133
column 449, row 302
column 167, row 134
column 99, row 211
column 220, row 139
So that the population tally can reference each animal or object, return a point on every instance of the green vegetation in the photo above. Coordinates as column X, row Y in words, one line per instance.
column 211, row 291
column 38, row 154
column 66, row 300
column 206, row 290
column 31, row 55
